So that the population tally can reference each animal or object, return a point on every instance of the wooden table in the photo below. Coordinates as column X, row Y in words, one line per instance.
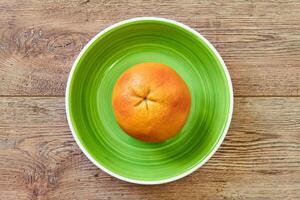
column 260, row 43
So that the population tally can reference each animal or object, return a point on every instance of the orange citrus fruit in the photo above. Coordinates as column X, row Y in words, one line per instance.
column 151, row 102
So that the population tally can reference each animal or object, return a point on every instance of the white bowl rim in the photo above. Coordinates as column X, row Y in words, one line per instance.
column 196, row 166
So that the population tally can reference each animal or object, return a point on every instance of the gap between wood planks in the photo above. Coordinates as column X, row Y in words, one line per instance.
column 235, row 96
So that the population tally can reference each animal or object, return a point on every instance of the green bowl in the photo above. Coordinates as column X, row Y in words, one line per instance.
column 89, row 92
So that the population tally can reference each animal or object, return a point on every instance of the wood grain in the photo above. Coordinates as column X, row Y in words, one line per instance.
column 259, row 159
column 260, row 43
column 259, row 40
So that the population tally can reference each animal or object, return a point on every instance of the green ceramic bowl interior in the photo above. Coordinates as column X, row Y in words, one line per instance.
column 90, row 92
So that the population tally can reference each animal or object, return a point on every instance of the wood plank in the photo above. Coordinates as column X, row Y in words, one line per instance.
column 259, row 159
column 259, row 40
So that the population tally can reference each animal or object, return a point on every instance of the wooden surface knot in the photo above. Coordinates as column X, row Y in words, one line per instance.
column 68, row 44
column 37, row 42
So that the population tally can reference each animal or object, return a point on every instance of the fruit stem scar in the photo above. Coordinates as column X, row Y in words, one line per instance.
column 151, row 99
column 144, row 98
column 147, row 94
column 136, row 94
column 139, row 102
column 146, row 102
